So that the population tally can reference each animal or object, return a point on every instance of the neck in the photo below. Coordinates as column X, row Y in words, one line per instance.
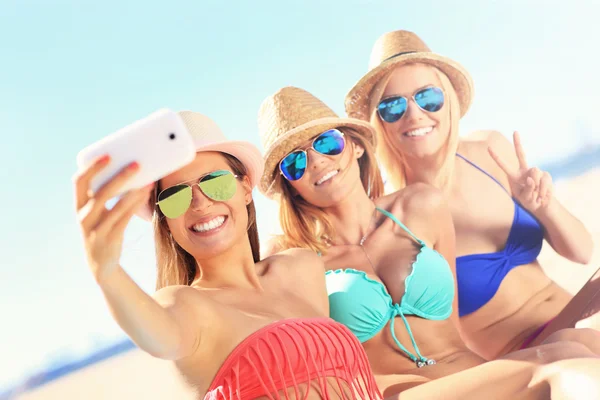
column 234, row 268
column 351, row 218
column 426, row 170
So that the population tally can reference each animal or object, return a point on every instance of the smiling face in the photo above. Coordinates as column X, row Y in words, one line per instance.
column 209, row 227
column 328, row 179
column 418, row 133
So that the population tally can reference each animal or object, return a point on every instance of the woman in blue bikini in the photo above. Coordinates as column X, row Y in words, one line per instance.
column 502, row 209
column 387, row 275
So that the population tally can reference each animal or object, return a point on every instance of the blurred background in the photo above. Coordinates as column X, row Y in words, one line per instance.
column 75, row 71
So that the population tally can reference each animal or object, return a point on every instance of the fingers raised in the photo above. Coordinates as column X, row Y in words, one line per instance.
column 95, row 206
column 116, row 219
column 505, row 167
column 82, row 181
column 519, row 150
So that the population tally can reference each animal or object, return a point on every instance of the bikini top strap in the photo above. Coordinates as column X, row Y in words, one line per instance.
column 400, row 224
column 484, row 171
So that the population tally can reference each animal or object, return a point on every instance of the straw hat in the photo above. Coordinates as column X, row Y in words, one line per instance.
column 208, row 137
column 289, row 118
column 402, row 47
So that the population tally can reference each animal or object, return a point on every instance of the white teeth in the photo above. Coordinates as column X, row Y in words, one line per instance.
column 420, row 131
column 327, row 177
column 210, row 225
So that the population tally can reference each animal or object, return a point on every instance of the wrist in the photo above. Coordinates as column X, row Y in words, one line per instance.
column 109, row 276
column 548, row 212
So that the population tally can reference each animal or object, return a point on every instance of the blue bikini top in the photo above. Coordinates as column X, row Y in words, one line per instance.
column 479, row 275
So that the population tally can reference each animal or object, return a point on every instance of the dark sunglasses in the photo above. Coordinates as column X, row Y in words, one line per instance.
column 430, row 99
column 217, row 185
column 329, row 143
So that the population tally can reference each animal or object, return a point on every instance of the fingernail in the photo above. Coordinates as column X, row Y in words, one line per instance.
column 104, row 159
column 134, row 165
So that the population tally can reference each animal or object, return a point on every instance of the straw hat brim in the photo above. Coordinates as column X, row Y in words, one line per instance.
column 299, row 135
column 357, row 100
column 247, row 153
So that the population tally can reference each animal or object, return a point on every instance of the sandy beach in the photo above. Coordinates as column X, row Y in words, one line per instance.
column 135, row 375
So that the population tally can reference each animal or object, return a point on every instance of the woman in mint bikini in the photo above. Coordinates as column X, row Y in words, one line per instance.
column 502, row 209
column 387, row 275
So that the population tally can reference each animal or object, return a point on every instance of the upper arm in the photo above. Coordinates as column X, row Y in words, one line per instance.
column 183, row 304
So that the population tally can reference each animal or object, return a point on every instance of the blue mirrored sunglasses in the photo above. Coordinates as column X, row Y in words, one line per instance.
column 430, row 99
column 329, row 143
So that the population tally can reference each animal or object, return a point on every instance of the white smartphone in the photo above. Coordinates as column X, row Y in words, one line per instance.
column 159, row 143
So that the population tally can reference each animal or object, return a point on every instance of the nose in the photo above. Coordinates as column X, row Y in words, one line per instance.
column 413, row 111
column 199, row 200
column 315, row 159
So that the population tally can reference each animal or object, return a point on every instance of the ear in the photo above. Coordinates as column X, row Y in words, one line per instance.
column 358, row 151
column 247, row 190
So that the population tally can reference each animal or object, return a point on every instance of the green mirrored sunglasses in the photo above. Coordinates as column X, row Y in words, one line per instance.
column 217, row 185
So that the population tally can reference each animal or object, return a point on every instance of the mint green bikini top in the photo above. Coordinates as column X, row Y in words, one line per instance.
column 365, row 306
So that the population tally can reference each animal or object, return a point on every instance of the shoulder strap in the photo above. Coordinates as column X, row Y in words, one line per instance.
column 400, row 224
column 482, row 170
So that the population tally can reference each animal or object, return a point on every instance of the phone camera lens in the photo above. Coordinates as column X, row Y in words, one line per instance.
column 172, row 136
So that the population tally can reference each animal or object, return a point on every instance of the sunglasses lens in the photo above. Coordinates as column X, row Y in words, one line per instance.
column 330, row 143
column 218, row 185
column 392, row 109
column 174, row 201
column 293, row 165
column 430, row 99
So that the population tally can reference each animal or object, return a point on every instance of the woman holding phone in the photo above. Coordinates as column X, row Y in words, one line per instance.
column 235, row 326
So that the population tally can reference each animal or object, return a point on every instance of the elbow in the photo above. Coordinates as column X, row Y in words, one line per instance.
column 585, row 257
column 584, row 254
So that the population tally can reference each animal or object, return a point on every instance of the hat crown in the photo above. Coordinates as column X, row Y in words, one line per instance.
column 287, row 109
column 204, row 130
column 395, row 43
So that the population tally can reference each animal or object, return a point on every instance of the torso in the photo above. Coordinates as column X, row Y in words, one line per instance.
column 234, row 315
column 392, row 253
column 483, row 215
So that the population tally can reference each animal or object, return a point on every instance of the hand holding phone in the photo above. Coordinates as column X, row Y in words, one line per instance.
column 160, row 144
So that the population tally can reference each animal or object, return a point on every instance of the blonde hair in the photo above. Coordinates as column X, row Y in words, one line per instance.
column 307, row 226
column 391, row 158
column 175, row 266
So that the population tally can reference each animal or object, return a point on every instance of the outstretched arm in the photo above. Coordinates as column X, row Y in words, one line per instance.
column 157, row 326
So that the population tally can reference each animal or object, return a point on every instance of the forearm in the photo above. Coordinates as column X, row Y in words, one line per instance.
column 146, row 322
column 565, row 233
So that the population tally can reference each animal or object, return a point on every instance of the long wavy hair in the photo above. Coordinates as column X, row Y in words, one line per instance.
column 392, row 159
column 307, row 226
column 175, row 266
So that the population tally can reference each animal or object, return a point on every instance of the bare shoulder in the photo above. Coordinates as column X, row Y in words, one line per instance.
column 476, row 149
column 419, row 198
column 483, row 135
column 476, row 144
column 302, row 260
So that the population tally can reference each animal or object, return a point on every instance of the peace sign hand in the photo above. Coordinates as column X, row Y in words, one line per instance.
column 531, row 187
column 103, row 229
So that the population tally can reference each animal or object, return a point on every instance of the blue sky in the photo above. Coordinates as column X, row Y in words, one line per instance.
column 74, row 71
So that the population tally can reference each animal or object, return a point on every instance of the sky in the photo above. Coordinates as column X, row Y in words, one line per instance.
column 72, row 72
